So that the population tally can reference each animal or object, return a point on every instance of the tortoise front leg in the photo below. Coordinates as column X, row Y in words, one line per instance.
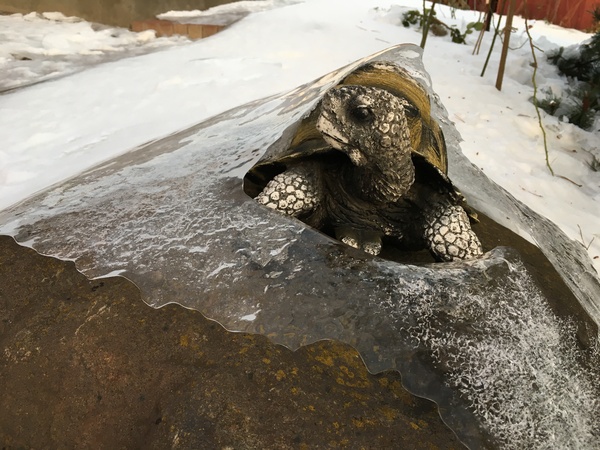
column 449, row 235
column 295, row 192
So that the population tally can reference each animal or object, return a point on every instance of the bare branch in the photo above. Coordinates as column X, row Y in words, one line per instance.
column 496, row 31
column 589, row 244
column 535, row 100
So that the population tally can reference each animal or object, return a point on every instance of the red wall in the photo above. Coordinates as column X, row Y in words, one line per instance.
column 566, row 13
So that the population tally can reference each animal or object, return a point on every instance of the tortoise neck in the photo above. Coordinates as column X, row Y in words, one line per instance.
column 387, row 179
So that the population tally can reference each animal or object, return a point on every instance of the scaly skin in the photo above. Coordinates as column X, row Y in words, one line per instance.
column 294, row 192
column 449, row 235
column 369, row 125
column 372, row 193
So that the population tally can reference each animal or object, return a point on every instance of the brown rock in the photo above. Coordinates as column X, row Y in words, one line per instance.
column 86, row 364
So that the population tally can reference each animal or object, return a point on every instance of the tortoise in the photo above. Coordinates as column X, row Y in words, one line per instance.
column 368, row 164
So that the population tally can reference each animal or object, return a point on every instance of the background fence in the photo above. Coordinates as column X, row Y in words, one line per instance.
column 566, row 13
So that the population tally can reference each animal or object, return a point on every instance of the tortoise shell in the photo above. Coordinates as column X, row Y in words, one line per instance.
column 305, row 141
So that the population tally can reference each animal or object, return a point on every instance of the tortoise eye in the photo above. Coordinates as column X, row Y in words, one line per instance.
column 411, row 110
column 362, row 113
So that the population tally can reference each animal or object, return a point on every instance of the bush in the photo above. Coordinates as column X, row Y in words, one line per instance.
column 581, row 64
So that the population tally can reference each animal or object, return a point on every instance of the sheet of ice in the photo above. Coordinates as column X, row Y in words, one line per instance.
column 56, row 130
column 174, row 217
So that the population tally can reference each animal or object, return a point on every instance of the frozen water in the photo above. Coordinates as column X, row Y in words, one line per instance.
column 476, row 337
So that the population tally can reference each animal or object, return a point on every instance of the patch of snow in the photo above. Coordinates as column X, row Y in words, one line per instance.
column 38, row 47
column 250, row 317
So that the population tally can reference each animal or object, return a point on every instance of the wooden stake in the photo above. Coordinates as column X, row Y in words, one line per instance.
column 507, row 31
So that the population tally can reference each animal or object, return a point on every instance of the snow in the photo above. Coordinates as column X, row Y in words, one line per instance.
column 224, row 14
column 116, row 99
column 36, row 47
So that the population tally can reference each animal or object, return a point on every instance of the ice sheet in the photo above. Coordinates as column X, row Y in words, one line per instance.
column 478, row 337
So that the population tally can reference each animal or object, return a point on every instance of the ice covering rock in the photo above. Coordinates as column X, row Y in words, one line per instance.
column 477, row 337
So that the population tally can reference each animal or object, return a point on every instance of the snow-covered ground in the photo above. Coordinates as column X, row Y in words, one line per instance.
column 53, row 130
column 41, row 46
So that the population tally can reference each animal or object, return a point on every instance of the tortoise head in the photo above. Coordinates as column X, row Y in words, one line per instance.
column 365, row 123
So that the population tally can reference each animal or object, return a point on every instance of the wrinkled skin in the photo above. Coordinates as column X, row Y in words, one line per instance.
column 369, row 125
column 381, row 189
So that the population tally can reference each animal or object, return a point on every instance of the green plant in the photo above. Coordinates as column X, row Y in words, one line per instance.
column 461, row 37
column 414, row 17
column 550, row 103
column 581, row 64
column 425, row 20
column 576, row 105
column 596, row 14
column 580, row 61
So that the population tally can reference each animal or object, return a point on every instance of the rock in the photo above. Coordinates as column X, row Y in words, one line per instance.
column 87, row 364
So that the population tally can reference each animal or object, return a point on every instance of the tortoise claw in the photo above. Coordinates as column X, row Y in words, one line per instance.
column 368, row 241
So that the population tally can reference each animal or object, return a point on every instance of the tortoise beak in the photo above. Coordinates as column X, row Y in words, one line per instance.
column 355, row 155
column 331, row 133
column 338, row 141
column 357, row 158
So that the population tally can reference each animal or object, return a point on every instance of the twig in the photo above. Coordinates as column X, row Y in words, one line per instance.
column 518, row 47
column 535, row 100
column 532, row 193
column 478, row 42
column 569, row 180
column 587, row 247
column 487, row 59
column 486, row 26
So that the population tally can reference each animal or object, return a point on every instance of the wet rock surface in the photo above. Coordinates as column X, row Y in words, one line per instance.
column 86, row 364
